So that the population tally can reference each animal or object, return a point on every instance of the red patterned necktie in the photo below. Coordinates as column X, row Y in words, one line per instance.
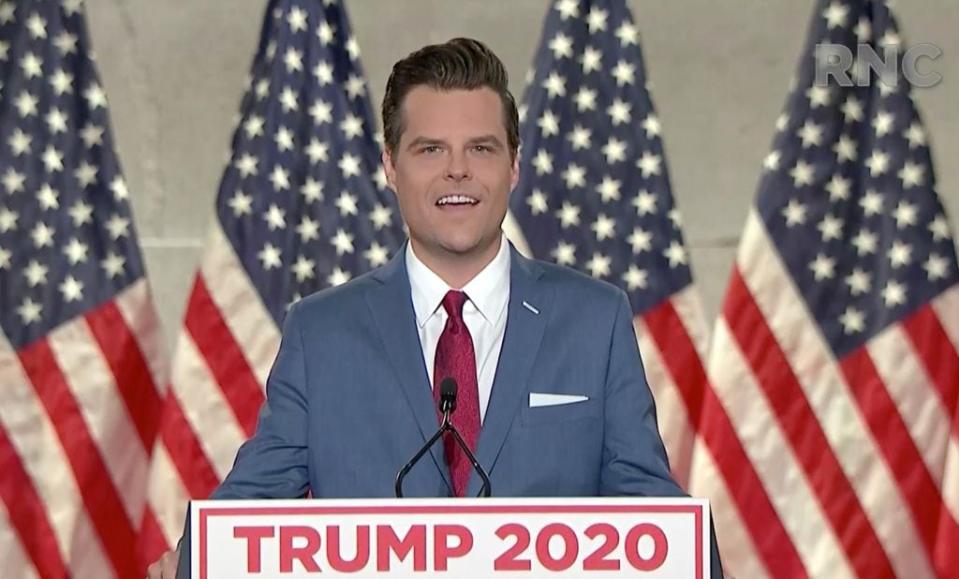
column 456, row 359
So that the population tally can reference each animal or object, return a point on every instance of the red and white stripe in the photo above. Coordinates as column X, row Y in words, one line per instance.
column 696, row 430
column 223, row 356
column 78, row 415
column 12, row 552
column 853, row 452
column 672, row 341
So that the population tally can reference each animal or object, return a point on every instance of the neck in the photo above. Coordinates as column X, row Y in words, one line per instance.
column 456, row 269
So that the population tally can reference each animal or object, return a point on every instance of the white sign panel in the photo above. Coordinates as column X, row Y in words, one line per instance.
column 461, row 538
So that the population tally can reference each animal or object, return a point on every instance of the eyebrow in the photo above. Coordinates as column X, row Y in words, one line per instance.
column 486, row 140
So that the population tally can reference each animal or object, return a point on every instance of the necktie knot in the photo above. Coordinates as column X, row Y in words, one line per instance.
column 453, row 303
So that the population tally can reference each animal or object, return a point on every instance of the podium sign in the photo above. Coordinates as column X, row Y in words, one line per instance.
column 461, row 538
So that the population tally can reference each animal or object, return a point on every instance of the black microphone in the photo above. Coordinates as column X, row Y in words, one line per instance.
column 447, row 397
column 447, row 404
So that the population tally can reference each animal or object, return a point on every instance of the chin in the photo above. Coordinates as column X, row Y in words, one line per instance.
column 461, row 247
column 464, row 245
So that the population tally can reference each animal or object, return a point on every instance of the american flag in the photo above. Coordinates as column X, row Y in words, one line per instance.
column 302, row 205
column 80, row 360
column 836, row 353
column 594, row 194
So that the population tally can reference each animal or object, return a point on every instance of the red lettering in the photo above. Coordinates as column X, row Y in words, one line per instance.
column 570, row 547
column 598, row 560
column 304, row 554
column 510, row 561
column 443, row 551
column 253, row 536
column 333, row 554
column 660, row 547
column 387, row 541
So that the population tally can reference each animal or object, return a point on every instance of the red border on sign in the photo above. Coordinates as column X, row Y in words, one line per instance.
column 319, row 509
column 203, row 517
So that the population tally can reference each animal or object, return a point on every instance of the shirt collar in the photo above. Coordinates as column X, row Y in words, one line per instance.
column 488, row 291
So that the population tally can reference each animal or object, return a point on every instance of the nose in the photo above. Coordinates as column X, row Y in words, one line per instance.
column 458, row 168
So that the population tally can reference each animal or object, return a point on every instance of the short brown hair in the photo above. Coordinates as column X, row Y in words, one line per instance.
column 461, row 63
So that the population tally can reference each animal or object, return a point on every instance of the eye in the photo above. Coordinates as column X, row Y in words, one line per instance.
column 430, row 149
column 482, row 148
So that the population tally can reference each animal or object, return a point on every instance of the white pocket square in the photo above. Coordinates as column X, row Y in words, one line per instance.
column 537, row 399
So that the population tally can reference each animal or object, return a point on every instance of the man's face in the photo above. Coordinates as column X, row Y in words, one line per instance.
column 452, row 172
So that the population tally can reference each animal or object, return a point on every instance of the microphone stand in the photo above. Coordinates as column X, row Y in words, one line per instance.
column 447, row 405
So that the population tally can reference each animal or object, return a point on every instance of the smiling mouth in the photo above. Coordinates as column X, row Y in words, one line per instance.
column 456, row 201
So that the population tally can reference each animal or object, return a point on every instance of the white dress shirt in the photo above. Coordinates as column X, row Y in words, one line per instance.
column 484, row 314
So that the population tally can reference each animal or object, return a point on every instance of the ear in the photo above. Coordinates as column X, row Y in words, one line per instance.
column 514, row 172
column 389, row 169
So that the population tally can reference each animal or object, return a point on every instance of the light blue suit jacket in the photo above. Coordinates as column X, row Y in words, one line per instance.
column 349, row 401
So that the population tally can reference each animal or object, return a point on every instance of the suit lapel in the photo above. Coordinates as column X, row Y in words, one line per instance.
column 392, row 309
column 527, row 313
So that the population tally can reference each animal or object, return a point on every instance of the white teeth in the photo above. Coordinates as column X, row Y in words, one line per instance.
column 456, row 199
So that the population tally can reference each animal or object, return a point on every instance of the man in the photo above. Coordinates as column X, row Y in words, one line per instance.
column 350, row 396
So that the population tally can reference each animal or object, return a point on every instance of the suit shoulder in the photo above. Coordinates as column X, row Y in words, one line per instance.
column 337, row 299
column 583, row 286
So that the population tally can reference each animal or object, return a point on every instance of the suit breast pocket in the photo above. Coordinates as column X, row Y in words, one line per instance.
column 560, row 413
